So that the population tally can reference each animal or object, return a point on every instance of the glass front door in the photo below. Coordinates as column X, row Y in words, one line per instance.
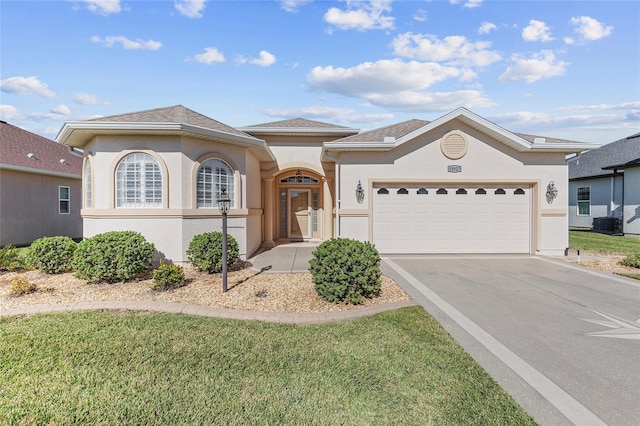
column 299, row 213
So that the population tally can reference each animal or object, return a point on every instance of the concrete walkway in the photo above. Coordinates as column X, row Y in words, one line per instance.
column 284, row 258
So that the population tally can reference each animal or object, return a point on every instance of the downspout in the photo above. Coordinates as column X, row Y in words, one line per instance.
column 73, row 151
column 337, row 162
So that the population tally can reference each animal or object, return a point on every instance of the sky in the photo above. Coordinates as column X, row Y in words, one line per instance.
column 564, row 69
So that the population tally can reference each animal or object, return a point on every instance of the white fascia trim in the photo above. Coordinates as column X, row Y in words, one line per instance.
column 359, row 146
column 24, row 169
column 568, row 148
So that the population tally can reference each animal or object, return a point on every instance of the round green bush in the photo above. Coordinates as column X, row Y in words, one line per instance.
column 113, row 256
column 632, row 260
column 52, row 255
column 205, row 251
column 346, row 270
column 168, row 276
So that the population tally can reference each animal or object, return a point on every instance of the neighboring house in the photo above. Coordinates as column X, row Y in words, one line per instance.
column 40, row 188
column 459, row 184
column 605, row 183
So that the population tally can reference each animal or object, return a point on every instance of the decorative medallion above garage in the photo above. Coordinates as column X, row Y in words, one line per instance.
column 454, row 145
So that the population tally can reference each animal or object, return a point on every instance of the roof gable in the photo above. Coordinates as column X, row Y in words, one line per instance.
column 47, row 156
column 599, row 162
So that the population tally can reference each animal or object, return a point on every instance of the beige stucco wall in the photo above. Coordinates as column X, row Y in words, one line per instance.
column 487, row 161
column 29, row 207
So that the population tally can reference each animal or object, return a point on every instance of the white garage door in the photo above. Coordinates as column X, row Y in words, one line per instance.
column 452, row 219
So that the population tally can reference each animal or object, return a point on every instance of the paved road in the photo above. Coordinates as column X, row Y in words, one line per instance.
column 563, row 340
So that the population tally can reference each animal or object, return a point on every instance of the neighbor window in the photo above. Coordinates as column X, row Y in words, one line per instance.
column 213, row 175
column 63, row 199
column 138, row 181
column 584, row 201
column 87, row 184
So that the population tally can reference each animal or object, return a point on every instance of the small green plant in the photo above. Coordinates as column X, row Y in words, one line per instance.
column 205, row 251
column 113, row 256
column 10, row 259
column 632, row 260
column 21, row 286
column 168, row 276
column 346, row 270
column 52, row 255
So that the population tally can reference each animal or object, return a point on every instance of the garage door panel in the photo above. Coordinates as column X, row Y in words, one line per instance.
column 483, row 222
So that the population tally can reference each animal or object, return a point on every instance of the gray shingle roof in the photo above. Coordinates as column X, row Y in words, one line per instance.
column 594, row 163
column 173, row 114
column 395, row 130
column 16, row 144
column 296, row 123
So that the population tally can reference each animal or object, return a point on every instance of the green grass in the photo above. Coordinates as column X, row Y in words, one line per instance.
column 603, row 243
column 398, row 367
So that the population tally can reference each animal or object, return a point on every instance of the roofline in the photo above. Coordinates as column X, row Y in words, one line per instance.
column 299, row 130
column 500, row 133
column 24, row 169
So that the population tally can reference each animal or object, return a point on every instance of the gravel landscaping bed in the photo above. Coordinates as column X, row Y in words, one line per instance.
column 247, row 290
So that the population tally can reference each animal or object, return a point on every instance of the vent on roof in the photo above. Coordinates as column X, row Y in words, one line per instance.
column 454, row 145
column 63, row 161
column 32, row 156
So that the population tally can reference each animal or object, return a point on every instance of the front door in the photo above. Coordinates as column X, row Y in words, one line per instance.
column 299, row 213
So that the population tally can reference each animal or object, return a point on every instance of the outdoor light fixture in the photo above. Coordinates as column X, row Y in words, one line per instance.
column 359, row 193
column 224, row 203
column 298, row 176
column 552, row 192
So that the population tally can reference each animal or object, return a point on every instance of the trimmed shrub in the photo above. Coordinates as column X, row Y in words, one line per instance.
column 205, row 251
column 21, row 286
column 10, row 259
column 113, row 256
column 632, row 260
column 346, row 270
column 52, row 255
column 168, row 276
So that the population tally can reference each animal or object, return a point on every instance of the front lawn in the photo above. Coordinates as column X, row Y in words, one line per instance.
column 603, row 243
column 398, row 367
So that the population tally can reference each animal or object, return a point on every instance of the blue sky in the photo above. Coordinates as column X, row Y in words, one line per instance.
column 567, row 69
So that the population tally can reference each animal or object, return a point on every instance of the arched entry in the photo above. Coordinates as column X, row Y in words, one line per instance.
column 300, row 210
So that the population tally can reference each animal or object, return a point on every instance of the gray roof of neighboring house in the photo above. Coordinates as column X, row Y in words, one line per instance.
column 16, row 144
column 173, row 114
column 599, row 162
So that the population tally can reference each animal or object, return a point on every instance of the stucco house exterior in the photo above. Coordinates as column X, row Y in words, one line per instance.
column 459, row 184
column 40, row 188
column 605, row 183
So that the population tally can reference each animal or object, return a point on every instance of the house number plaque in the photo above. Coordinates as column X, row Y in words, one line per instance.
column 454, row 169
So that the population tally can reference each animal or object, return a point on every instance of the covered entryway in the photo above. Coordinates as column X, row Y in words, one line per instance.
column 446, row 218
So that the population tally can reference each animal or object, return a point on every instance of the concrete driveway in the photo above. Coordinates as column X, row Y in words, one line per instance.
column 562, row 339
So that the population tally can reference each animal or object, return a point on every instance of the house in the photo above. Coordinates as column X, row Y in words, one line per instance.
column 40, row 188
column 459, row 184
column 605, row 183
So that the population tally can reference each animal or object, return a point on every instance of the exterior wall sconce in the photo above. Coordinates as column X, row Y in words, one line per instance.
column 298, row 176
column 224, row 203
column 359, row 193
column 552, row 192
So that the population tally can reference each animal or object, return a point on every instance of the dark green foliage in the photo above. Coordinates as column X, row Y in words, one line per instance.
column 346, row 270
column 52, row 255
column 168, row 276
column 112, row 256
column 205, row 251
column 632, row 260
column 10, row 259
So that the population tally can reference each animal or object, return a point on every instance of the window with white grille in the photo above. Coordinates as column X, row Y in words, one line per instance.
column 213, row 175
column 138, row 181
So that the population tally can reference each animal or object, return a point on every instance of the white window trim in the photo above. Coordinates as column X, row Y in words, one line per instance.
column 578, row 201
column 67, row 200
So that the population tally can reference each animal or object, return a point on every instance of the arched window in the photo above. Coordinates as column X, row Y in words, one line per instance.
column 87, row 184
column 213, row 175
column 403, row 191
column 138, row 181
column 383, row 191
column 422, row 191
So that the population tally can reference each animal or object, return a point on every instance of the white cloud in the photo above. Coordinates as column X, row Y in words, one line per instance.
column 127, row 44
column 26, row 86
column 103, row 7
column 87, row 99
column 487, row 27
column 361, row 16
column 603, row 107
column 210, row 55
column 431, row 101
column 190, row 8
column 452, row 50
column 340, row 115
column 265, row 59
column 536, row 31
column 540, row 65
column 533, row 120
column 61, row 112
column 469, row 4
column 420, row 15
column 590, row 29
column 569, row 40
column 61, row 109
column 293, row 5
column 9, row 113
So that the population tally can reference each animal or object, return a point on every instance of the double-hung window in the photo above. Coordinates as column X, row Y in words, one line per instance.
column 584, row 201
column 214, row 175
column 64, row 200
column 138, row 181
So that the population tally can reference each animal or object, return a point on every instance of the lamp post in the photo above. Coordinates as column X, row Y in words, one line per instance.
column 223, row 204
